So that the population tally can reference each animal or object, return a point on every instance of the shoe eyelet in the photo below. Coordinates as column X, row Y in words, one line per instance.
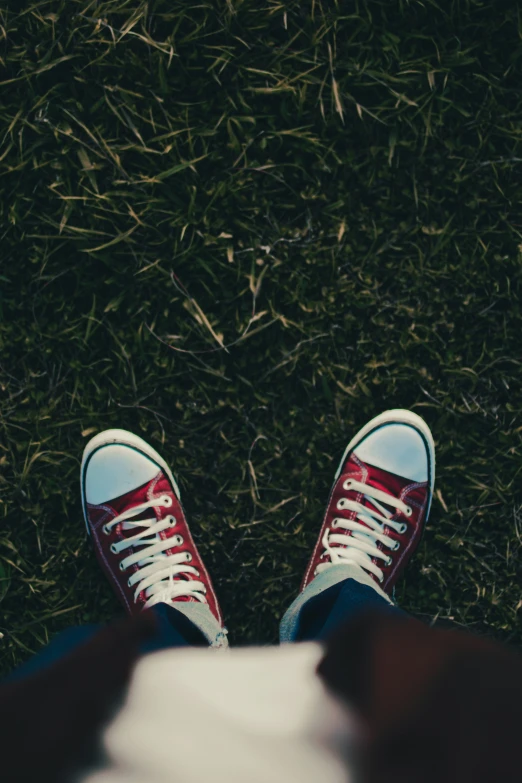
column 122, row 567
column 334, row 524
column 389, row 561
column 113, row 549
column 172, row 521
column 165, row 499
column 188, row 557
column 348, row 484
column 339, row 502
column 403, row 529
column 180, row 540
column 104, row 530
column 395, row 548
column 409, row 511
column 128, row 583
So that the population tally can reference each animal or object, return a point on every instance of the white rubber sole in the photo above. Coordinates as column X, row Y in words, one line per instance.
column 397, row 416
column 124, row 438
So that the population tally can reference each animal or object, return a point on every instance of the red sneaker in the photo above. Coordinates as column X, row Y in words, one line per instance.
column 380, row 499
column 133, row 512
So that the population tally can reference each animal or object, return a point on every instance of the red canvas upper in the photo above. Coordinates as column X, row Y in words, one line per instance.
column 414, row 494
column 99, row 515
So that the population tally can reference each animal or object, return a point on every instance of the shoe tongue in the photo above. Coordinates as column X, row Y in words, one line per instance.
column 135, row 498
column 384, row 481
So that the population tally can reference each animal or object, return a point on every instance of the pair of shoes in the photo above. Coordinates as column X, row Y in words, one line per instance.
column 378, row 504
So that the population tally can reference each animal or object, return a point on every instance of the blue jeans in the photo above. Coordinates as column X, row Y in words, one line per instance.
column 320, row 617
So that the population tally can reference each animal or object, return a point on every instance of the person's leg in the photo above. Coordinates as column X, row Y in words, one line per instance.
column 127, row 489
column 141, row 537
column 378, row 505
column 175, row 629
column 332, row 598
column 336, row 605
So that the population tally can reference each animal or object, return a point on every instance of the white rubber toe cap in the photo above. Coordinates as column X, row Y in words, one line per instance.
column 396, row 448
column 114, row 470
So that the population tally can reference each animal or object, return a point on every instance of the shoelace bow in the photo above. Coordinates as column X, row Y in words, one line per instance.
column 156, row 569
column 360, row 547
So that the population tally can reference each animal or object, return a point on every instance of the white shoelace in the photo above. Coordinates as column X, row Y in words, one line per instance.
column 155, row 567
column 360, row 547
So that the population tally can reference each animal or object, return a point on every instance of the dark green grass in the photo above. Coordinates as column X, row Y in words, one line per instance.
column 241, row 230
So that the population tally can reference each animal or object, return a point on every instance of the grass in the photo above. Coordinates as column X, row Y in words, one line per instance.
column 242, row 229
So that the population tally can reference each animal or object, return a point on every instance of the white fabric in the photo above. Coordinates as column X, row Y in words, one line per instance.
column 360, row 547
column 114, row 470
column 397, row 448
column 242, row 715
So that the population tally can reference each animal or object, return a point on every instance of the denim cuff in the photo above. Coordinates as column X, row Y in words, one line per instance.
column 289, row 626
column 204, row 620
